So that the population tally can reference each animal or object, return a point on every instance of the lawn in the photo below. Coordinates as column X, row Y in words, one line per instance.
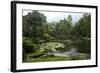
column 55, row 58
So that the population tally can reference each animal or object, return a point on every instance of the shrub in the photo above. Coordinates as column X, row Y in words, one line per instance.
column 28, row 45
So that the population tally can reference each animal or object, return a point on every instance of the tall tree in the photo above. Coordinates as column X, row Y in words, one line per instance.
column 32, row 22
column 83, row 27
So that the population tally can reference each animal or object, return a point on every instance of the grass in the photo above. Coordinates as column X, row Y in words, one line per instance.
column 45, row 59
column 55, row 58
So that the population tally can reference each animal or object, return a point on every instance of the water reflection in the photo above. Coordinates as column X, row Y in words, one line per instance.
column 82, row 46
column 75, row 47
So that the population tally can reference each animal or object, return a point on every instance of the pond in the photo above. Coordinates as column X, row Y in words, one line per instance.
column 82, row 46
column 67, row 48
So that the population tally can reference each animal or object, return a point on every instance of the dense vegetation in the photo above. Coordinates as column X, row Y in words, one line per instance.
column 38, row 32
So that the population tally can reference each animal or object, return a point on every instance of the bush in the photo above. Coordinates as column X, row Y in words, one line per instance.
column 28, row 45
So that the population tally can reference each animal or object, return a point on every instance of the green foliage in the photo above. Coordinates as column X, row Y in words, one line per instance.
column 82, row 28
column 69, row 19
column 32, row 22
column 46, row 36
column 63, row 28
column 28, row 45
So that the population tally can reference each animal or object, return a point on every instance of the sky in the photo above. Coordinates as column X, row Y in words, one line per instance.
column 56, row 16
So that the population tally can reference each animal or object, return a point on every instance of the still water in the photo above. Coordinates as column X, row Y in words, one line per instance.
column 73, row 48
